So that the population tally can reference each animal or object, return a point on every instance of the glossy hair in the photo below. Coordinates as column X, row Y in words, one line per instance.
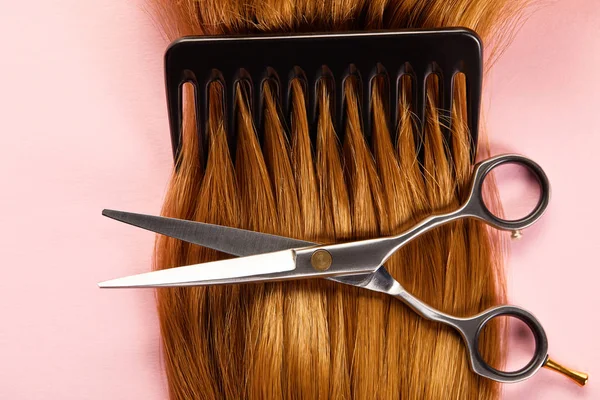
column 317, row 339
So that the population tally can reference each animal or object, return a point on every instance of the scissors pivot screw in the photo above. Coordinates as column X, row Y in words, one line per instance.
column 321, row 260
column 516, row 235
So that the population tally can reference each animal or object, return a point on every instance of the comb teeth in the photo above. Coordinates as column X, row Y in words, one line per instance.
column 330, row 59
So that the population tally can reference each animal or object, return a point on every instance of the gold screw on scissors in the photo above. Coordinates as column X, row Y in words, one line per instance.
column 321, row 260
column 580, row 378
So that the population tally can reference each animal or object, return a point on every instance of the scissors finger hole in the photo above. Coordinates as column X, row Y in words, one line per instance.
column 516, row 187
column 511, row 334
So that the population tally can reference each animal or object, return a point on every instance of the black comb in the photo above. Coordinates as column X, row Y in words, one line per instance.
column 333, row 57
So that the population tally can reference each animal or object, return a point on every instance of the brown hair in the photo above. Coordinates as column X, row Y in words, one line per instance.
column 317, row 339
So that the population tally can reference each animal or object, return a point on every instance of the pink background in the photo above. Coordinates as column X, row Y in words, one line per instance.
column 84, row 127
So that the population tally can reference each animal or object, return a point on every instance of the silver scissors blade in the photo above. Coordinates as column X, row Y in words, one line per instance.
column 268, row 266
column 234, row 241
column 237, row 242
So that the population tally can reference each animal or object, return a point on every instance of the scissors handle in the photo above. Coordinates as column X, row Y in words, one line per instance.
column 475, row 206
column 471, row 329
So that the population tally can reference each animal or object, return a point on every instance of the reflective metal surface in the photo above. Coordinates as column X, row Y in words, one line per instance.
column 233, row 241
column 356, row 263
column 243, row 269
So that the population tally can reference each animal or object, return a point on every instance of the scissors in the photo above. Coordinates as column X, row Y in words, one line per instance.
column 264, row 257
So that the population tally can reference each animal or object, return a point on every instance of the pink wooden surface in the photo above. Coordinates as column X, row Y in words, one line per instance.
column 83, row 125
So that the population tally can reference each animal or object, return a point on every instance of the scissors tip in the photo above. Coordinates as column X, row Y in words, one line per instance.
column 118, row 283
column 110, row 213
column 108, row 284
